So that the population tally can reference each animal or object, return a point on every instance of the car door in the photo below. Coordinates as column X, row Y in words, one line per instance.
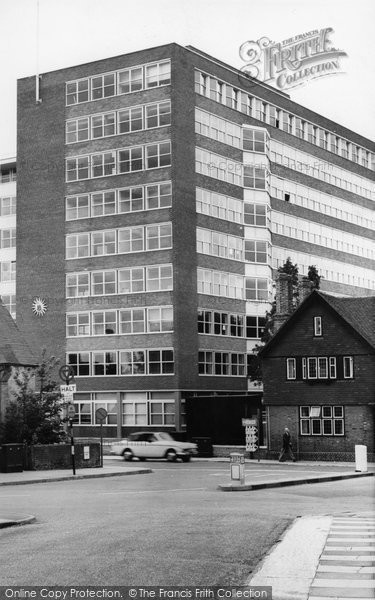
column 155, row 449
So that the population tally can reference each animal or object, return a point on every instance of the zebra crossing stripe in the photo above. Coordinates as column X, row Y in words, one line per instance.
column 346, row 569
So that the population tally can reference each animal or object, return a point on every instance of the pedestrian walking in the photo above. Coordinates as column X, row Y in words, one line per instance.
column 287, row 447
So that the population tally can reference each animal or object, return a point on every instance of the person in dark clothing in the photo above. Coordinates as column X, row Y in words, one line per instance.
column 287, row 447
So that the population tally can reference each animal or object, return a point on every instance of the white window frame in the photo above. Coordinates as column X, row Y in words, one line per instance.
column 318, row 327
column 291, row 370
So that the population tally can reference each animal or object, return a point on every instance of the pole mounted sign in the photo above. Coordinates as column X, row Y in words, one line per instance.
column 251, row 432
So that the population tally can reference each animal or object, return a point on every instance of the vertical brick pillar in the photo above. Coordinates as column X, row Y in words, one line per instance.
column 284, row 299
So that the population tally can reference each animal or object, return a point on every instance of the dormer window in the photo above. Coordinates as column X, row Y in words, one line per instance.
column 318, row 330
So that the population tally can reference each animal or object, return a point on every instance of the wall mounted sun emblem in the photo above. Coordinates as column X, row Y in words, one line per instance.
column 39, row 307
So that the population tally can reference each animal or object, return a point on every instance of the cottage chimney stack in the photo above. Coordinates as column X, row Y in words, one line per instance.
column 305, row 286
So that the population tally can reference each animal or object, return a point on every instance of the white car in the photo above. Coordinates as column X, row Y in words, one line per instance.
column 155, row 444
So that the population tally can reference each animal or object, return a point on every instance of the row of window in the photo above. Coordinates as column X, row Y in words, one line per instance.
column 321, row 420
column 119, row 82
column 8, row 238
column 119, row 241
column 231, row 285
column 129, row 280
column 136, row 408
column 323, row 171
column 322, row 235
column 249, row 139
column 122, row 362
column 331, row 270
column 220, row 167
column 321, row 202
column 221, row 363
column 320, row 367
column 8, row 175
column 117, row 162
column 7, row 270
column 231, row 209
column 228, row 95
column 155, row 319
column 223, row 245
column 119, row 201
column 126, row 120
column 214, row 322
column 8, row 206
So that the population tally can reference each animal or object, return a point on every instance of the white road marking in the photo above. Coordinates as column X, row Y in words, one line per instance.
column 153, row 491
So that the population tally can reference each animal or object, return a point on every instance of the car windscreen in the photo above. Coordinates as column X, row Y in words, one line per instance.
column 165, row 436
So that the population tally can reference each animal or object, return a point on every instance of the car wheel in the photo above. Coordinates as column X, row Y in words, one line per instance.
column 186, row 458
column 128, row 454
column 170, row 455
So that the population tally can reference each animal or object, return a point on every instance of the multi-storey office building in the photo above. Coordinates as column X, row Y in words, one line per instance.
column 157, row 193
column 8, row 234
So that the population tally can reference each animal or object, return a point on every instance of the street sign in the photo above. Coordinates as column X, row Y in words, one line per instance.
column 246, row 422
column 101, row 414
column 71, row 411
column 66, row 373
column 68, row 389
column 251, row 438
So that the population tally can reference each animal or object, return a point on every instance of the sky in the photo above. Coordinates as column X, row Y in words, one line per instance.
column 73, row 32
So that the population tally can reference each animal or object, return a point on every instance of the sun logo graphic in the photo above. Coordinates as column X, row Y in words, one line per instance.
column 39, row 307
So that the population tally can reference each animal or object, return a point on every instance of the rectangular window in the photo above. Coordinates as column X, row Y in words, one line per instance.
column 312, row 372
column 160, row 319
column 130, row 80
column 159, row 195
column 80, row 362
column 237, row 364
column 321, row 420
column 256, row 288
column 254, row 140
column 130, row 160
column 158, row 155
column 162, row 412
column 103, row 243
column 77, row 130
column 160, row 362
column 256, row 251
column 236, row 325
column 322, row 367
column 157, row 74
column 205, row 363
column 131, row 239
column 103, row 164
column 221, row 363
column 77, row 168
column 159, row 278
column 77, row 91
column 255, row 214
column 131, row 280
column 103, row 86
column 77, row 207
column 255, row 178
column 77, row 324
column 159, row 237
column 130, row 119
column 255, row 326
column 103, row 203
column 103, row 125
column 291, row 368
column 332, row 367
column 158, row 115
column 7, row 205
column 104, row 363
column 8, row 238
column 78, row 245
column 348, row 367
column 134, row 408
column 103, row 283
column 132, row 362
column 110, row 407
column 104, row 322
column 132, row 320
column 77, row 285
column 83, row 411
column 318, row 331
column 304, row 368
column 204, row 321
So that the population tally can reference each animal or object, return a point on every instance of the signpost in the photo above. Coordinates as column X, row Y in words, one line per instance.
column 71, row 414
column 101, row 415
column 67, row 391
column 251, row 433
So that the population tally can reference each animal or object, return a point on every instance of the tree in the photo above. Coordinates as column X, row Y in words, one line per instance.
column 254, row 365
column 34, row 417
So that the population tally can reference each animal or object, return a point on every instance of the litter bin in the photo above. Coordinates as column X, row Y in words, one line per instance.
column 237, row 467
column 361, row 458
column 204, row 444
column 11, row 458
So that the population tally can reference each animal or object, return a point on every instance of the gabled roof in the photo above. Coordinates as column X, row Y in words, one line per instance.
column 14, row 349
column 358, row 313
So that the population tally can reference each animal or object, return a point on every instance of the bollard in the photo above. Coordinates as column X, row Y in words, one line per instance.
column 237, row 467
column 361, row 458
